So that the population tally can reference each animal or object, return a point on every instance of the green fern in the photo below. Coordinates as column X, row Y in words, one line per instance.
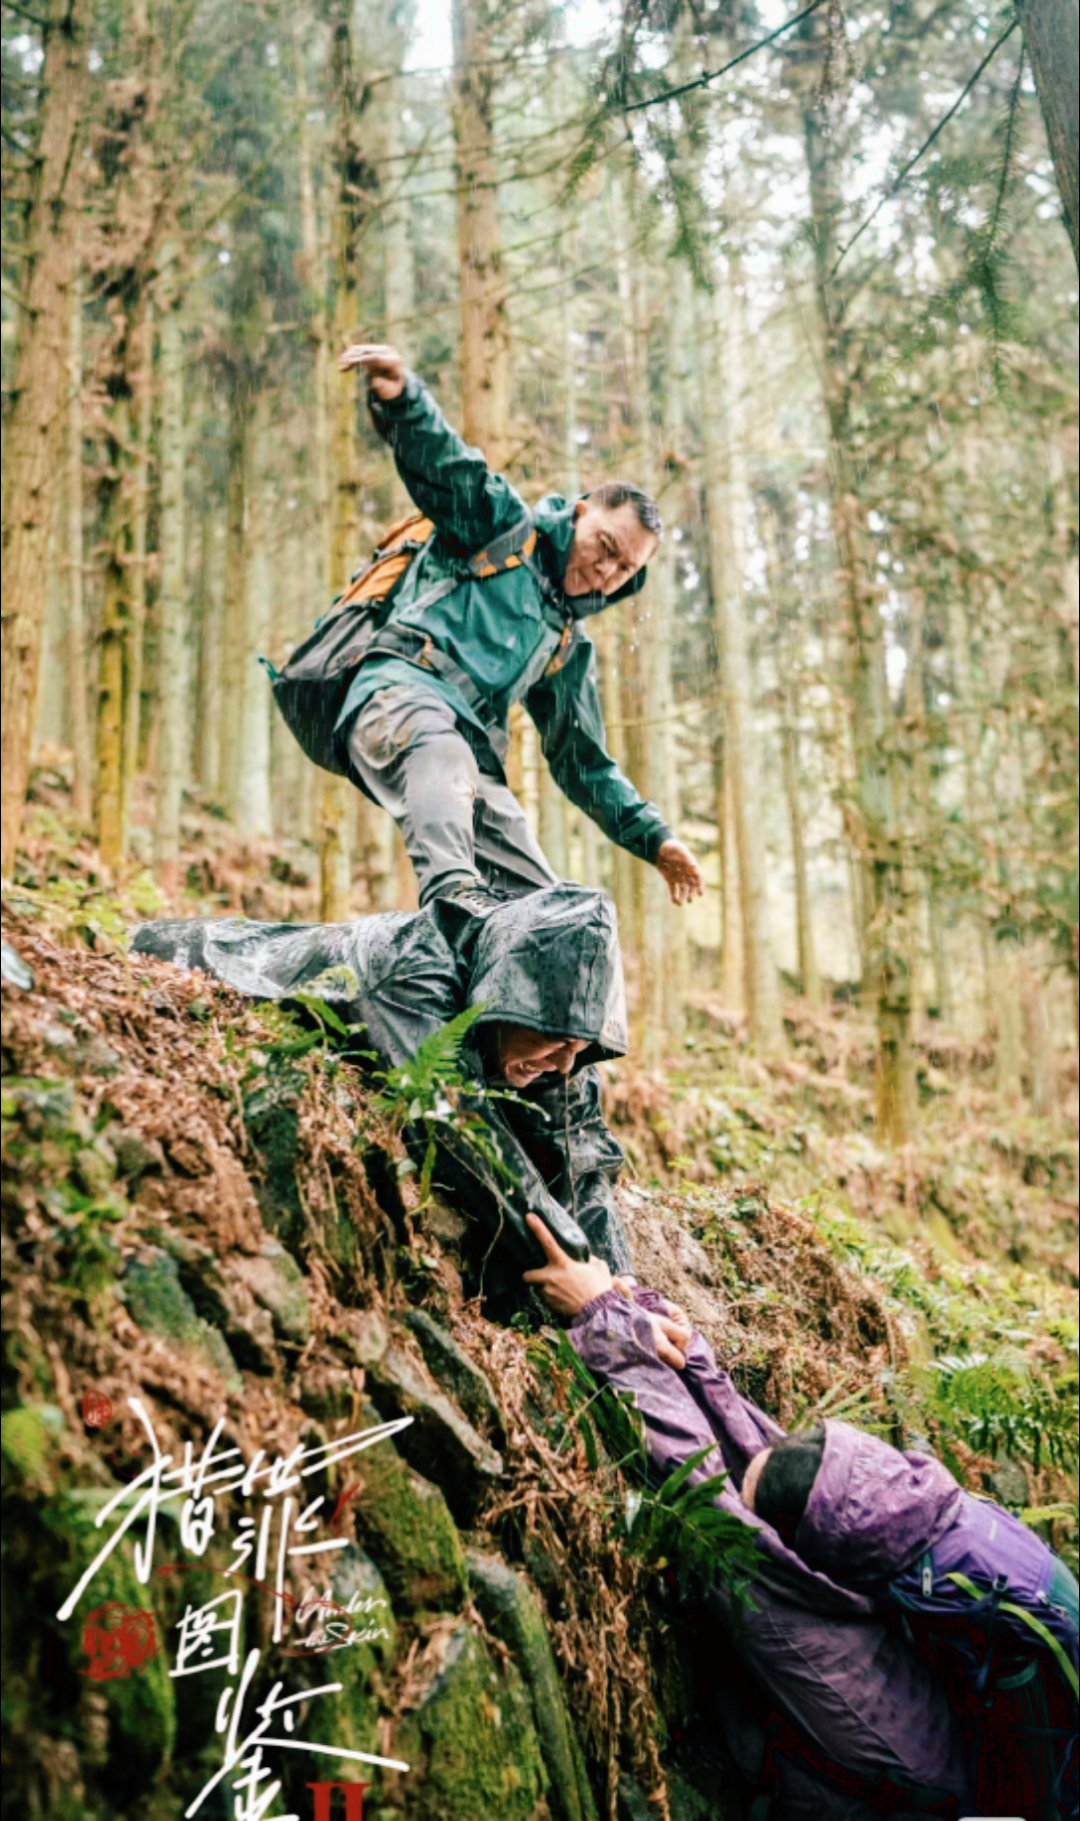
column 416, row 1087
column 433, row 1097
column 1003, row 1406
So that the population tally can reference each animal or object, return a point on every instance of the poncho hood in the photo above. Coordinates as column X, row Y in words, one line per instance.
column 551, row 961
column 872, row 1510
column 554, row 520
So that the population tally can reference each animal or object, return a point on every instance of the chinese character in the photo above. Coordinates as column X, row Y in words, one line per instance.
column 199, row 1632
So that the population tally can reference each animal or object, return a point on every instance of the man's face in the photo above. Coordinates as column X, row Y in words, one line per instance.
column 609, row 548
column 525, row 1054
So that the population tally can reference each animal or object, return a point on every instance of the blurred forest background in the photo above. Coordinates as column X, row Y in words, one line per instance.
column 823, row 306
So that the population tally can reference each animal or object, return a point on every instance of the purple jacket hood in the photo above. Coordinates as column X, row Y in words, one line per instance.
column 872, row 1510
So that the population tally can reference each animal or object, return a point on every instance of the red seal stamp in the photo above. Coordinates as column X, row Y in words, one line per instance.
column 96, row 1410
column 118, row 1640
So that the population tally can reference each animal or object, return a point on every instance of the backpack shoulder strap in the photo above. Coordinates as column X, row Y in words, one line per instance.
column 1042, row 1632
column 509, row 550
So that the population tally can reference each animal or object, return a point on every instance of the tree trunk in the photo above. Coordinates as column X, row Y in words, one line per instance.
column 725, row 502
column 110, row 796
column 36, row 419
column 788, row 657
column 135, row 717
column 732, row 943
column 399, row 300
column 208, row 672
column 887, row 934
column 82, row 740
column 918, row 771
column 253, row 813
column 354, row 183
column 646, row 654
column 809, row 977
column 1052, row 36
column 231, row 643
column 485, row 337
column 313, row 279
column 173, row 696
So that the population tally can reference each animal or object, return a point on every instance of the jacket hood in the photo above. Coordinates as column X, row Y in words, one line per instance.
column 554, row 519
column 551, row 961
column 872, row 1510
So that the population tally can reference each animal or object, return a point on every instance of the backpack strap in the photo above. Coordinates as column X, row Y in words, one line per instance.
column 1042, row 1632
column 512, row 549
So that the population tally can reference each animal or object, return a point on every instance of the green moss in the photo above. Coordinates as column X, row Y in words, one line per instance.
column 28, row 1437
column 510, row 1607
column 472, row 1742
column 406, row 1524
column 160, row 1304
column 139, row 1712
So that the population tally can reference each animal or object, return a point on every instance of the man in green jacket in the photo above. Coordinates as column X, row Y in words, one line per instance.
column 424, row 722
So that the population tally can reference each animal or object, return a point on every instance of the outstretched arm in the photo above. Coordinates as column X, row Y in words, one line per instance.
column 566, row 710
column 449, row 482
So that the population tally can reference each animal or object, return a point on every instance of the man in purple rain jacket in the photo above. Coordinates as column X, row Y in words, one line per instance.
column 989, row 1604
column 876, row 1724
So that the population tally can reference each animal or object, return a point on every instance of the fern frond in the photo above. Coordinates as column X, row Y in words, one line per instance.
column 414, row 1086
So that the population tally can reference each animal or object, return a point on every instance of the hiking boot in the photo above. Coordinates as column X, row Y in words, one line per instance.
column 478, row 899
column 462, row 911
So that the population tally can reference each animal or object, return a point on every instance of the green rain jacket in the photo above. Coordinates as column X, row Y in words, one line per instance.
column 503, row 631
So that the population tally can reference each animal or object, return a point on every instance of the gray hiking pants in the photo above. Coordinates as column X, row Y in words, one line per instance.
column 459, row 825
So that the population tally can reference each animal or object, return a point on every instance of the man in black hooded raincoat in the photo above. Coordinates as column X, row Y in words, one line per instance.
column 545, row 965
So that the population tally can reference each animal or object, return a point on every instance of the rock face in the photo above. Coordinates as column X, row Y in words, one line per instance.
column 161, row 1306
column 473, row 1740
column 510, row 1607
column 218, row 1228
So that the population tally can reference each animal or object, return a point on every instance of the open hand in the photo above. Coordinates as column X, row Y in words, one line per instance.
column 385, row 367
column 685, row 879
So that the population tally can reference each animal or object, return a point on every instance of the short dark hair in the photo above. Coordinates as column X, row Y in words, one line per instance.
column 614, row 494
column 787, row 1479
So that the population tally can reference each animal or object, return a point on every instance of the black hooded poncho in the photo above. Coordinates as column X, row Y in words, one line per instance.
column 549, row 960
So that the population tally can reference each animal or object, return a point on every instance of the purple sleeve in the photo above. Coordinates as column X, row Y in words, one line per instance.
column 741, row 1428
column 613, row 1337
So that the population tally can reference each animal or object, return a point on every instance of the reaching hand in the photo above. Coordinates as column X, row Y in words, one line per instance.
column 672, row 1328
column 671, row 1333
column 385, row 367
column 566, row 1284
column 685, row 879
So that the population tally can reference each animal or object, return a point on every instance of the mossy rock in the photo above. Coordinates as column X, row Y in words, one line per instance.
column 159, row 1303
column 277, row 1282
column 272, row 1119
column 136, row 1714
column 48, row 1108
column 406, row 1524
column 350, row 1719
column 510, row 1607
column 29, row 1436
column 472, row 1746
